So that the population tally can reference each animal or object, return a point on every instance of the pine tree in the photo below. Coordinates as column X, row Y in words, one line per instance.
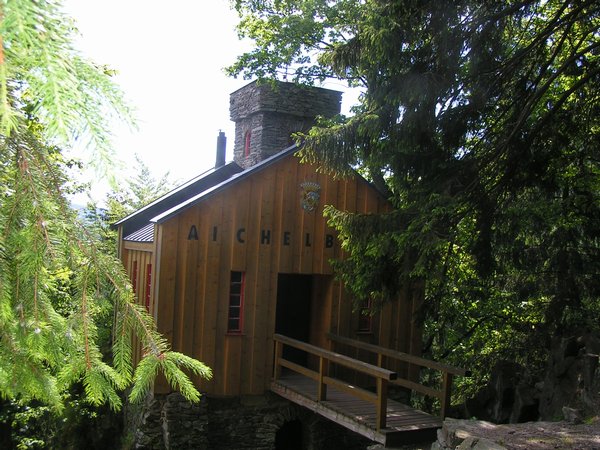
column 128, row 196
column 55, row 284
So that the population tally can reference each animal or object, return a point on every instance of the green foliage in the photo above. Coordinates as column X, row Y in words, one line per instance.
column 170, row 364
column 294, row 29
column 58, row 290
column 129, row 196
column 136, row 192
column 36, row 426
column 57, row 287
column 480, row 121
column 73, row 99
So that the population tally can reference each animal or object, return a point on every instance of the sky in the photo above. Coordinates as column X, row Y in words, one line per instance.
column 169, row 57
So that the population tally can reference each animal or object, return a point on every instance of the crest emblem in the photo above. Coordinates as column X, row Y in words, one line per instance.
column 311, row 193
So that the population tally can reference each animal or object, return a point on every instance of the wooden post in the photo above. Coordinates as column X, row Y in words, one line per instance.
column 323, row 369
column 278, row 355
column 446, row 394
column 382, row 386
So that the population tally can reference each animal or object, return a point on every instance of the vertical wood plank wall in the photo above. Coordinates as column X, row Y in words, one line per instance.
column 139, row 256
column 242, row 228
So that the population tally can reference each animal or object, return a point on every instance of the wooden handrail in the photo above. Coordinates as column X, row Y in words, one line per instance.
column 399, row 355
column 447, row 371
column 338, row 358
column 382, row 376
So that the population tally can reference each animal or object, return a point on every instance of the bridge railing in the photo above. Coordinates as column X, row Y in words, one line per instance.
column 448, row 372
column 325, row 357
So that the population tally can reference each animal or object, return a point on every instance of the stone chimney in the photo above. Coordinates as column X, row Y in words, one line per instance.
column 266, row 115
column 221, row 148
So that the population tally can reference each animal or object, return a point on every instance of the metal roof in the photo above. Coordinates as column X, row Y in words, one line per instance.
column 145, row 234
column 140, row 218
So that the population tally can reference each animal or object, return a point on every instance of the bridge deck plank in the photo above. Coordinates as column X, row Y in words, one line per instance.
column 404, row 424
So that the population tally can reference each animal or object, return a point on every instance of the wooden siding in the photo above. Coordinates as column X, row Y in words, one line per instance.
column 141, row 259
column 136, row 264
column 257, row 225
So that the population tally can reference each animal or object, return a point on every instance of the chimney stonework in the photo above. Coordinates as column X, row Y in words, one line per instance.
column 221, row 150
column 272, row 113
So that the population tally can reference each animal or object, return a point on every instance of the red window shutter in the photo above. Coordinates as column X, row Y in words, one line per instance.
column 148, row 285
column 247, row 141
column 134, row 276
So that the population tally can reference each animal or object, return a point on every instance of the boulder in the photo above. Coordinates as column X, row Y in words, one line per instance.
column 506, row 398
column 463, row 435
column 474, row 443
column 571, row 376
column 572, row 379
column 572, row 415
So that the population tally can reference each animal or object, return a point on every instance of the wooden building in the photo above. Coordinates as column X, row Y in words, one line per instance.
column 243, row 251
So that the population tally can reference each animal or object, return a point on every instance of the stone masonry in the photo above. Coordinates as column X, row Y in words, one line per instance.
column 270, row 113
column 168, row 422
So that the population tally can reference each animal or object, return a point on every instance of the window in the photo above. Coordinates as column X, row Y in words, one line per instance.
column 236, row 302
column 365, row 317
column 148, row 285
column 247, row 140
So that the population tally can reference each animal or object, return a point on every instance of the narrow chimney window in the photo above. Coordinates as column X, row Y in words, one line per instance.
column 247, row 140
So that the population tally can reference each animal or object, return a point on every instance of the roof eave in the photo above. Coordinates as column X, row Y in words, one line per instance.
column 171, row 193
column 235, row 178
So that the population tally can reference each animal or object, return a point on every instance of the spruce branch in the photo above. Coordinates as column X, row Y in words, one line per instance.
column 43, row 239
column 145, row 372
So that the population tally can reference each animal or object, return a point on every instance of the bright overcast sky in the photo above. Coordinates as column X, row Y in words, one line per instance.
column 170, row 58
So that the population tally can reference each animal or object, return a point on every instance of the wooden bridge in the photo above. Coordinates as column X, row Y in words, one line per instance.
column 367, row 412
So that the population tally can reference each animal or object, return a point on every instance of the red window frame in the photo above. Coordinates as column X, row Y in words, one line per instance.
column 134, row 276
column 148, row 285
column 247, row 141
column 235, row 310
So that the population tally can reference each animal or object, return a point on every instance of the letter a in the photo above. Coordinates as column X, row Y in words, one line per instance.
column 193, row 234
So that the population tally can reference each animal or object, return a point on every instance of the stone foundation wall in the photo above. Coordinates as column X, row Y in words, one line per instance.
column 170, row 422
